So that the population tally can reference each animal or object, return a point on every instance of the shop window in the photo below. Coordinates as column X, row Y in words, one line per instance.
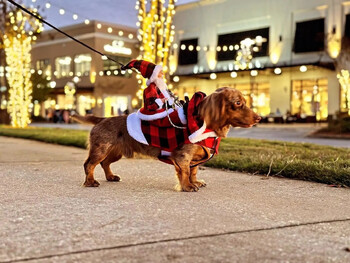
column 189, row 91
column 82, row 65
column 85, row 104
column 188, row 54
column 65, row 102
column 257, row 96
column 44, row 67
column 229, row 43
column 111, row 68
column 310, row 98
column 347, row 27
column 309, row 36
column 63, row 66
column 116, row 105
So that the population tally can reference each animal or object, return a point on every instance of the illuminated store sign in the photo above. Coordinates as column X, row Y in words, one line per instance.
column 117, row 47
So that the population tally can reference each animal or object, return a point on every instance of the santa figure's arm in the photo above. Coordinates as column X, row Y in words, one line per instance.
column 151, row 98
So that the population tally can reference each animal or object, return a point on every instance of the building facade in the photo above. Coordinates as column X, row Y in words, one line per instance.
column 81, row 79
column 283, row 55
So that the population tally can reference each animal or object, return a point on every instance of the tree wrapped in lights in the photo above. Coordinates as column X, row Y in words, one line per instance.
column 16, row 39
column 344, row 80
column 156, row 32
column 342, row 66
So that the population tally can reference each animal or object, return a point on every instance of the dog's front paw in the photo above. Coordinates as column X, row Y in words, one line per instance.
column 113, row 178
column 200, row 183
column 93, row 183
column 190, row 188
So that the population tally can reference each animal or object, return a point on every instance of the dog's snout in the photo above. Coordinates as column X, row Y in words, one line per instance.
column 257, row 118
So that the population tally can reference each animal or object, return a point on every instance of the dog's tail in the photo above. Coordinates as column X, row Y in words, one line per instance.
column 87, row 119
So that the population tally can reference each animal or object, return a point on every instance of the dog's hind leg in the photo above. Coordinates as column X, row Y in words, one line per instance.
column 112, row 157
column 96, row 155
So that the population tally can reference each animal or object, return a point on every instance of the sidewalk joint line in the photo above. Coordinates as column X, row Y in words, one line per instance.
column 176, row 239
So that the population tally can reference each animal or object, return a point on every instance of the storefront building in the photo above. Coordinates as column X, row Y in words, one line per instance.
column 283, row 55
column 81, row 79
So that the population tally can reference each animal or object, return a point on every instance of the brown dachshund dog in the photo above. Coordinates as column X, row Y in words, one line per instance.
column 109, row 139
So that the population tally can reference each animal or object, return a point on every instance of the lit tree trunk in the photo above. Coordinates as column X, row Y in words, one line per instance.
column 18, row 60
column 17, row 32
column 155, row 32
column 3, row 80
column 342, row 65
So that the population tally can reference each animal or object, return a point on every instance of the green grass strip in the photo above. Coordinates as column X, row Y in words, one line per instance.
column 308, row 162
column 77, row 138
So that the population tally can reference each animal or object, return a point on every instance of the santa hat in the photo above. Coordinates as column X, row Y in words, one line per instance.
column 147, row 69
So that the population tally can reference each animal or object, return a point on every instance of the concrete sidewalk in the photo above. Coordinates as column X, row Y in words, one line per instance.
column 47, row 216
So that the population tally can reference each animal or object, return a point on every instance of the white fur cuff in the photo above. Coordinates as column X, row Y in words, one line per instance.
column 153, row 117
column 159, row 103
column 165, row 153
column 199, row 134
column 182, row 116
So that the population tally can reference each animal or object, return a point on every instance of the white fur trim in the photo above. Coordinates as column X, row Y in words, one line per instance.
column 133, row 125
column 182, row 116
column 153, row 117
column 154, row 75
column 204, row 136
column 165, row 153
column 170, row 100
column 199, row 134
column 159, row 103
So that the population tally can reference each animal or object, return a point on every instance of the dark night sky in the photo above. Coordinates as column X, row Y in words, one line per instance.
column 114, row 11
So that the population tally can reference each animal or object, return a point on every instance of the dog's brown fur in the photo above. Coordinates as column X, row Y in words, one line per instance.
column 109, row 139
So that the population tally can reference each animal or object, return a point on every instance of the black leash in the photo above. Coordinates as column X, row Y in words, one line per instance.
column 62, row 32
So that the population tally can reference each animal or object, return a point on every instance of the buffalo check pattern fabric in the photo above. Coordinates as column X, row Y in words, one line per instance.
column 144, row 67
column 169, row 138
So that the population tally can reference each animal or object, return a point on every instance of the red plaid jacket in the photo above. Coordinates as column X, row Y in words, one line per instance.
column 169, row 138
column 152, row 100
column 154, row 109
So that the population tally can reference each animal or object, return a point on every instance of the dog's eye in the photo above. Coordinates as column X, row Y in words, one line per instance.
column 238, row 103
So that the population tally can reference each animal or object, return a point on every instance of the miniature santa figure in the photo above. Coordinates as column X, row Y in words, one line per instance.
column 156, row 96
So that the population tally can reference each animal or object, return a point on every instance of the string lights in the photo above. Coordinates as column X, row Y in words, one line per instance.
column 156, row 33
column 75, row 16
column 244, row 50
column 107, row 29
column 20, row 31
column 63, row 11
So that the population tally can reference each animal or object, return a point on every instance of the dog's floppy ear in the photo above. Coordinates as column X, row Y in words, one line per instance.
column 213, row 109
